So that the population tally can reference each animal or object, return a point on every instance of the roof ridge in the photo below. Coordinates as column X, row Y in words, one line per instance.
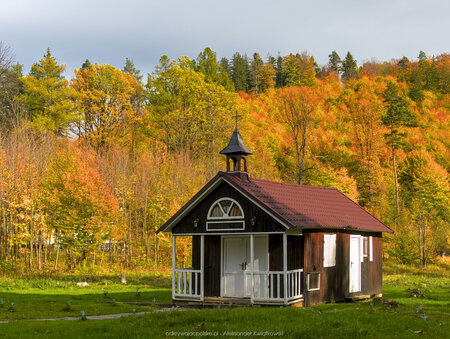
column 295, row 185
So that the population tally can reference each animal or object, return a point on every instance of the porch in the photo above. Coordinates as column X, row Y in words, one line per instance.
column 240, row 269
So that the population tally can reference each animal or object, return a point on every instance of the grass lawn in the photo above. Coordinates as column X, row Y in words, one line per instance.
column 340, row 320
column 57, row 297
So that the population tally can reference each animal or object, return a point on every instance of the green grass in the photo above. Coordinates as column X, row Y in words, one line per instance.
column 338, row 320
column 42, row 298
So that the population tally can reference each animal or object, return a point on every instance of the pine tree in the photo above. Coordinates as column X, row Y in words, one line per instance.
column 256, row 66
column 86, row 64
column 225, row 65
column 397, row 116
column 349, row 68
column 280, row 76
column 206, row 63
column 335, row 62
column 47, row 96
column 240, row 72
column 299, row 70
column 129, row 68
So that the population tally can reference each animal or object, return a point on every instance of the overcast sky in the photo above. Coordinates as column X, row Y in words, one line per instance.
column 109, row 31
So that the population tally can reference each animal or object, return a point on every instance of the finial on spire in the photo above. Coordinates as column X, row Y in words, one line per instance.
column 236, row 117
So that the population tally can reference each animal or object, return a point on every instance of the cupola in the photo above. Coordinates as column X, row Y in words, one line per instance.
column 236, row 153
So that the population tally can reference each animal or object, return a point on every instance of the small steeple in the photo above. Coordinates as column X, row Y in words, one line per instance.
column 236, row 152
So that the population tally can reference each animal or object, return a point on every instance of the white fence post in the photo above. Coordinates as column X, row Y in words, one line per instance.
column 202, row 266
column 252, row 284
column 174, row 252
column 285, row 266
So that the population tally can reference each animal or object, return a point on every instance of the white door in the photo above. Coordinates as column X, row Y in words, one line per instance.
column 355, row 264
column 235, row 262
column 237, row 278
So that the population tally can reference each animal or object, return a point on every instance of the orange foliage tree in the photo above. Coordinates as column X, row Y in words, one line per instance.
column 79, row 207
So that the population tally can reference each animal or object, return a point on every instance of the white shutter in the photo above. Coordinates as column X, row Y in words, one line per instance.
column 325, row 250
column 333, row 250
column 370, row 249
column 329, row 250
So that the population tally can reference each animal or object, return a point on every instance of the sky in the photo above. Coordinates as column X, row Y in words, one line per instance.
column 109, row 31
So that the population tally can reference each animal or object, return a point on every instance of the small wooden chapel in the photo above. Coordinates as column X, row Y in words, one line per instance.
column 263, row 242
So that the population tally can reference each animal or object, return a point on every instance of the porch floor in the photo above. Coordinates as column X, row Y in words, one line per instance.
column 215, row 301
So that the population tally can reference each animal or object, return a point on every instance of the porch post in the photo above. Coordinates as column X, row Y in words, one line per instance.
column 285, row 267
column 174, row 261
column 202, row 265
column 252, row 285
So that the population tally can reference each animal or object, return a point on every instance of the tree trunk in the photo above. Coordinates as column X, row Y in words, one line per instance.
column 394, row 163
column 57, row 256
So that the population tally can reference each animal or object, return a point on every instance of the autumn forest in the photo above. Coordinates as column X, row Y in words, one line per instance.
column 92, row 163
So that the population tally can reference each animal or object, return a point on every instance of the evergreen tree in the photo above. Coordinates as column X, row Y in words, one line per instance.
column 129, row 68
column 256, row 69
column 335, row 62
column 164, row 64
column 349, row 68
column 397, row 116
column 86, row 64
column 403, row 64
column 299, row 70
column 206, row 63
column 47, row 96
column 240, row 72
column 422, row 56
column 225, row 65
column 280, row 76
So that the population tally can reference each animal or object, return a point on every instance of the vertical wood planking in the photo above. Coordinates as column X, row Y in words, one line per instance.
column 252, row 282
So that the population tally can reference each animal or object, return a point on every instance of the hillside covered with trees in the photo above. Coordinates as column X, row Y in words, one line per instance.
column 91, row 166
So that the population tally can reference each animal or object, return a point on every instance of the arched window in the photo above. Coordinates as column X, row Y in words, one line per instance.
column 225, row 208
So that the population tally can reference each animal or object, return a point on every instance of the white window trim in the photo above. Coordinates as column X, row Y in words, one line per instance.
column 308, row 282
column 361, row 248
column 326, row 263
column 242, row 222
column 370, row 248
column 225, row 216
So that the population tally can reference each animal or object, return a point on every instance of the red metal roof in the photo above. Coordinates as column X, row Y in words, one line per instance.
column 297, row 206
column 308, row 206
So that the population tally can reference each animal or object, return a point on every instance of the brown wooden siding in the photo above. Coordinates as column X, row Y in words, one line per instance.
column 334, row 281
column 275, row 252
column 262, row 221
column 212, row 266
column 305, row 252
column 212, row 263
column 196, row 252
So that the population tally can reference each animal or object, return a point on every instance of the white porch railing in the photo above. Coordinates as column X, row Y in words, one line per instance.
column 187, row 283
column 269, row 286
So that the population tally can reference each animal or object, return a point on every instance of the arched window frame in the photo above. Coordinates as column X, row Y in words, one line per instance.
column 225, row 216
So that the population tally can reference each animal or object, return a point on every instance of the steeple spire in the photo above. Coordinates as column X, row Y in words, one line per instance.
column 236, row 152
